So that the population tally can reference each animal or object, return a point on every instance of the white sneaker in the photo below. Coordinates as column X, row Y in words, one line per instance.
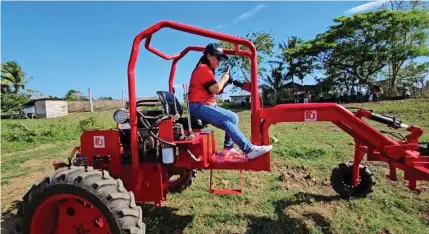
column 258, row 151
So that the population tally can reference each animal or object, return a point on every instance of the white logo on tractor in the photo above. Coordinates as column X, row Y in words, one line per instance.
column 99, row 142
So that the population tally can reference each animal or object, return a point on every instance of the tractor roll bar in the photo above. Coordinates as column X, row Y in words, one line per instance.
column 200, row 49
column 147, row 34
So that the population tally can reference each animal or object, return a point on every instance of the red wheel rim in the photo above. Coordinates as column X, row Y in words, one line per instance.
column 67, row 213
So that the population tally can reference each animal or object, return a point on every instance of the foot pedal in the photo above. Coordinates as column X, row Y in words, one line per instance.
column 226, row 191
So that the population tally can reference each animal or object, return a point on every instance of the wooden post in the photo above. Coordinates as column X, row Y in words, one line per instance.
column 90, row 100
column 122, row 98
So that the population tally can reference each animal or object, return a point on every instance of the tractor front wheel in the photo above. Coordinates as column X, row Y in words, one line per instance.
column 342, row 180
column 79, row 200
column 180, row 179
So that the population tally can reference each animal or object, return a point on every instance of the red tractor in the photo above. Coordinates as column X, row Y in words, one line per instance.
column 96, row 190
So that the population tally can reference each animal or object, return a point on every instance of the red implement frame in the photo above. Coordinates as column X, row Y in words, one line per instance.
column 397, row 154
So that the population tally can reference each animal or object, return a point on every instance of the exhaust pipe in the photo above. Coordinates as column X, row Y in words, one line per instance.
column 190, row 134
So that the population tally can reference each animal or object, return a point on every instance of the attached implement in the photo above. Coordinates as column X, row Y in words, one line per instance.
column 96, row 190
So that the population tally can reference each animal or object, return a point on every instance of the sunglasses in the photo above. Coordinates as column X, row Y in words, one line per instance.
column 218, row 57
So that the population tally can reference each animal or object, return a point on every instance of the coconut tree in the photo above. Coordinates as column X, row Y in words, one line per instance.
column 273, row 84
column 13, row 78
column 299, row 65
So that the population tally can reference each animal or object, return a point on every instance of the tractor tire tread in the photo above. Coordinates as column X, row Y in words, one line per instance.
column 345, row 169
column 180, row 187
column 109, row 191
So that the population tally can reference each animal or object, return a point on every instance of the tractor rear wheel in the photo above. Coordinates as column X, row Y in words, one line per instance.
column 76, row 200
column 342, row 176
column 185, row 179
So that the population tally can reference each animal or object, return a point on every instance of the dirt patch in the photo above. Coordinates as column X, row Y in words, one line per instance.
column 38, row 148
column 34, row 163
column 11, row 194
column 13, row 191
column 313, row 216
column 424, row 216
column 300, row 179
column 16, row 188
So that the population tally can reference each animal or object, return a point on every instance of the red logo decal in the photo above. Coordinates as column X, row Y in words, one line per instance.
column 310, row 116
column 99, row 142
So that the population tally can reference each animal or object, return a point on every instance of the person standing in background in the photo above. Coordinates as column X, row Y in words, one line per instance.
column 305, row 97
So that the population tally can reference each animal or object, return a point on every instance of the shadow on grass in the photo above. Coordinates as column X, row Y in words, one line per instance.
column 163, row 220
column 8, row 219
column 287, row 224
column 158, row 220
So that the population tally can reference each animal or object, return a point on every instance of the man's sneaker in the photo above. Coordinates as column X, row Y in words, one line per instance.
column 258, row 151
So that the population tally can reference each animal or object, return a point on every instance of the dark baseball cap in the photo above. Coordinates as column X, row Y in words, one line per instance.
column 215, row 49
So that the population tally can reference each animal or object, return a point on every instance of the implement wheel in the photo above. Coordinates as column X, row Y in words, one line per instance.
column 342, row 176
column 78, row 201
column 180, row 179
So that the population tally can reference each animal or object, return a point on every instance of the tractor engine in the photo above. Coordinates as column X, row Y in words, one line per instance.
column 106, row 149
column 148, row 136
column 167, row 147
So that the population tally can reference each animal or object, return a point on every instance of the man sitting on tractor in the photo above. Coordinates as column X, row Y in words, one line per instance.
column 202, row 103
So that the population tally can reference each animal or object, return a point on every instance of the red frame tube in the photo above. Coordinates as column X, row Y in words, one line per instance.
column 198, row 49
column 147, row 34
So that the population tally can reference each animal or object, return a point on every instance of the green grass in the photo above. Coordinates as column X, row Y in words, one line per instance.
column 295, row 197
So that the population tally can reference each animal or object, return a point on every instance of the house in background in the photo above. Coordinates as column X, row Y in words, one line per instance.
column 237, row 98
column 45, row 108
column 300, row 89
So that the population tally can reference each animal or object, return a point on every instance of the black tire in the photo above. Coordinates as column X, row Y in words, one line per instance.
column 341, row 181
column 117, row 205
column 424, row 149
column 186, row 179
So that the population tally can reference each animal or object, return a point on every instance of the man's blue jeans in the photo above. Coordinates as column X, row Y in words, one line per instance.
column 225, row 120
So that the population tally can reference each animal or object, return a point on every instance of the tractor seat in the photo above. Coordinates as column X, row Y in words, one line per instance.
column 195, row 123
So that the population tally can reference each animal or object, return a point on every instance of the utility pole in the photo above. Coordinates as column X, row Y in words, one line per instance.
column 90, row 100
column 122, row 98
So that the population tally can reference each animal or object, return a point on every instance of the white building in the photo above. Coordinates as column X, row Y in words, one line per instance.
column 45, row 108
column 240, row 97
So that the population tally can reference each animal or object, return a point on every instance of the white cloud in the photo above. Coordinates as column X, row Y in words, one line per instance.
column 244, row 16
column 366, row 6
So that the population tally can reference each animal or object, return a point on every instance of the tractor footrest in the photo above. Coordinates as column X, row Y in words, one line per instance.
column 226, row 191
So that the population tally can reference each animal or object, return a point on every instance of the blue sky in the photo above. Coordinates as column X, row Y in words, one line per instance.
column 81, row 45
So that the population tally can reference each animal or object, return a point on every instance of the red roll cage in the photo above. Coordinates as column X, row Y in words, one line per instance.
column 147, row 34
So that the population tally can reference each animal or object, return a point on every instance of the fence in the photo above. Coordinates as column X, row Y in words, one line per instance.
column 97, row 105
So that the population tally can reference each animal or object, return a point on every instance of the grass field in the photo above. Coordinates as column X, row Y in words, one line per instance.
column 295, row 197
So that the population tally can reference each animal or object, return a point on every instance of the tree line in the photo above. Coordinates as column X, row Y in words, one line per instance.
column 15, row 93
column 385, row 48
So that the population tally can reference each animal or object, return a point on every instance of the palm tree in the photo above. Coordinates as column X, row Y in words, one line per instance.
column 298, row 65
column 12, row 77
column 291, row 44
column 273, row 84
